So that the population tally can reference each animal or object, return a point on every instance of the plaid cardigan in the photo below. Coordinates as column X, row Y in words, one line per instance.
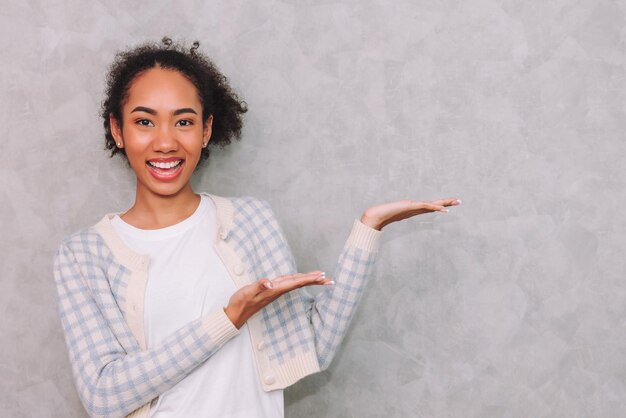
column 100, row 294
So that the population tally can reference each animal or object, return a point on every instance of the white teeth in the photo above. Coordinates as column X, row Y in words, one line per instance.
column 165, row 165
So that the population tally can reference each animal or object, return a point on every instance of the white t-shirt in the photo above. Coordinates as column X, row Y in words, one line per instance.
column 187, row 279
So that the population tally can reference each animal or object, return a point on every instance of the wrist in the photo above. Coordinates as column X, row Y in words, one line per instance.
column 371, row 222
column 234, row 315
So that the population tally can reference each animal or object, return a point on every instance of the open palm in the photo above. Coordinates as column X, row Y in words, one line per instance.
column 380, row 215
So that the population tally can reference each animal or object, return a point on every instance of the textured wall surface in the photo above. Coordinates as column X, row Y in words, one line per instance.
column 511, row 305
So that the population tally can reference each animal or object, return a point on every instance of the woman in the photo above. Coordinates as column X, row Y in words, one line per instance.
column 190, row 305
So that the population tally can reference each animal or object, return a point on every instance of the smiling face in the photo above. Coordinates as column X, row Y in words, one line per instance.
column 162, row 133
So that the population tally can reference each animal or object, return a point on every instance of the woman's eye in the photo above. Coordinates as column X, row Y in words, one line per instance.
column 184, row 122
column 144, row 122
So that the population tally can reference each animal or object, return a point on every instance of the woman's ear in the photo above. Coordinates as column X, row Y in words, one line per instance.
column 206, row 133
column 116, row 131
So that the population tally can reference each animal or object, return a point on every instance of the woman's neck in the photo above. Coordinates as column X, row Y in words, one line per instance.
column 152, row 211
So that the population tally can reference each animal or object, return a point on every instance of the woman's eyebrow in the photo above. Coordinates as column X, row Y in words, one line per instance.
column 144, row 109
column 154, row 112
column 184, row 110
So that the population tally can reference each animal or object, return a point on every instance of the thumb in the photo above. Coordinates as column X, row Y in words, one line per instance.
column 264, row 284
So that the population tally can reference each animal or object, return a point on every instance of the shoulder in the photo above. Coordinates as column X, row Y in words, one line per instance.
column 83, row 244
column 80, row 239
column 249, row 214
column 255, row 211
column 251, row 205
column 238, row 209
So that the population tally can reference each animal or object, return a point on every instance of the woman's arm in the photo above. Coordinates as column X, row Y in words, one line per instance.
column 113, row 380
column 331, row 311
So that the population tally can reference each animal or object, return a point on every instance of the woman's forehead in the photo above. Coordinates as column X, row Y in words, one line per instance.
column 162, row 88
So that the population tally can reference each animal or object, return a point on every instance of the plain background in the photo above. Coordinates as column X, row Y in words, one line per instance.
column 511, row 305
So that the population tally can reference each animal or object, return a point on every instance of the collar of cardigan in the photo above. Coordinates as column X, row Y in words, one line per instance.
column 133, row 260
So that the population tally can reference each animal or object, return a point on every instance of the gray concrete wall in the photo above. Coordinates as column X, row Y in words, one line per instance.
column 511, row 305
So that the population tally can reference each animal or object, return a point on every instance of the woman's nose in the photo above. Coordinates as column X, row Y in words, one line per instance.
column 165, row 140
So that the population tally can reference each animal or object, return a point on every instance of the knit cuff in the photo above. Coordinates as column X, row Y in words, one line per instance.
column 219, row 327
column 364, row 237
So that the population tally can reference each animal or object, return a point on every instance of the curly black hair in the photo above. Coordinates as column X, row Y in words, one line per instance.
column 216, row 95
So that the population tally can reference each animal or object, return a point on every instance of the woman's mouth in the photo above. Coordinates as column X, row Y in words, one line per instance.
column 165, row 170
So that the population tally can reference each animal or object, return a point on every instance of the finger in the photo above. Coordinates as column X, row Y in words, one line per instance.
column 307, row 280
column 433, row 206
column 321, row 280
column 450, row 201
column 297, row 279
column 285, row 278
column 264, row 284
column 296, row 276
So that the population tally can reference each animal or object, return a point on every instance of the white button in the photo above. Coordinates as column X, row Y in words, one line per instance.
column 134, row 308
column 238, row 269
column 223, row 234
column 261, row 345
column 269, row 380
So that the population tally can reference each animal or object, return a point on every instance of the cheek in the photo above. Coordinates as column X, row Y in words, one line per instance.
column 136, row 141
column 136, row 149
column 192, row 142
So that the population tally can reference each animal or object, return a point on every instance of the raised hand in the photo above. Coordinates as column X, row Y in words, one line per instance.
column 252, row 298
column 379, row 216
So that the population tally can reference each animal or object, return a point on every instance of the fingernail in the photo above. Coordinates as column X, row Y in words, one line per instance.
column 268, row 285
column 330, row 283
column 323, row 274
column 458, row 201
column 444, row 210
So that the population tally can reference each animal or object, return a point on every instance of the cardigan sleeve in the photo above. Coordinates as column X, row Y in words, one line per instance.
column 330, row 311
column 113, row 376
